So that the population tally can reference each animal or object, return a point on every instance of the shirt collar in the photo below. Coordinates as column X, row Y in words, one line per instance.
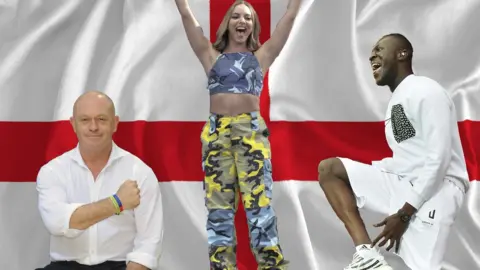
column 115, row 154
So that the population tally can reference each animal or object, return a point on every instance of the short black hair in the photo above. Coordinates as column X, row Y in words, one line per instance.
column 404, row 43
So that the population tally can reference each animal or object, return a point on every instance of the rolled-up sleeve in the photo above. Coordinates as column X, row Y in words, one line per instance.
column 149, row 222
column 53, row 206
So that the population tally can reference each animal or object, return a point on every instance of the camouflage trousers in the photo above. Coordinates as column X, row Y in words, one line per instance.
column 236, row 158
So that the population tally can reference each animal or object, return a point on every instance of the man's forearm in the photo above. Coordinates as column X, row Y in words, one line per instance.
column 136, row 266
column 89, row 214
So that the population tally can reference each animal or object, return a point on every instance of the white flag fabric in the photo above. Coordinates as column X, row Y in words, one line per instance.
column 320, row 99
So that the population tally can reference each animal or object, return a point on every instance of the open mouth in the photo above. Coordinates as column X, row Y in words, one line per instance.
column 376, row 66
column 241, row 29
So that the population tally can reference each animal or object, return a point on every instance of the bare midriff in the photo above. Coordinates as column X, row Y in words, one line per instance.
column 229, row 104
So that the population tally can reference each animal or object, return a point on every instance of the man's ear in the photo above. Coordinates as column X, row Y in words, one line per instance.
column 402, row 55
column 72, row 122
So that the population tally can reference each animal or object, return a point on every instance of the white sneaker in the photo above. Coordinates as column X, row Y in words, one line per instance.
column 367, row 258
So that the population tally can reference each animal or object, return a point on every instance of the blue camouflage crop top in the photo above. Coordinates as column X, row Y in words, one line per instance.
column 236, row 73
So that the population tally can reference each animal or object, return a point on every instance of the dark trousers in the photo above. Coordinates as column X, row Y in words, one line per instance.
column 71, row 265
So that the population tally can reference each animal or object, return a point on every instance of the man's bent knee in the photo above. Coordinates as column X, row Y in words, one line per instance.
column 331, row 169
column 325, row 168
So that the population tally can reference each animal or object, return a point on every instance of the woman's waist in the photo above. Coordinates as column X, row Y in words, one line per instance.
column 233, row 104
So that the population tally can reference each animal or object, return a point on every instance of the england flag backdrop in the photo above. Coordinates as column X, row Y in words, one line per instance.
column 319, row 99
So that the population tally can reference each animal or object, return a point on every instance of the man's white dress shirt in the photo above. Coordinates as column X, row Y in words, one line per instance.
column 65, row 183
column 422, row 132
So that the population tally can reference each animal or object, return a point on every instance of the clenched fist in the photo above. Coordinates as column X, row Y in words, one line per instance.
column 129, row 194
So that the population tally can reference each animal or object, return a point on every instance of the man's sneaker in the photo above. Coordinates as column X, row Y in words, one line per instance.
column 367, row 258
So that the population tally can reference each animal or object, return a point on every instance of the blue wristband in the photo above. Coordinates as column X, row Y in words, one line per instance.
column 118, row 201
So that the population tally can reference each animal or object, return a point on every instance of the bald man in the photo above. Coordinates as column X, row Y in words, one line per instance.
column 100, row 203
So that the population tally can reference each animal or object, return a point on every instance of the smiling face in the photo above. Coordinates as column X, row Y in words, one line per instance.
column 384, row 61
column 239, row 29
column 240, row 25
column 94, row 121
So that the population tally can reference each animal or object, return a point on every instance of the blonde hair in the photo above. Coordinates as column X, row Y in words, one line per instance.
column 253, row 41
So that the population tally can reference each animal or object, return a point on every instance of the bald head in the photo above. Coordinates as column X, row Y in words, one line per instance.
column 401, row 43
column 96, row 99
column 94, row 121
